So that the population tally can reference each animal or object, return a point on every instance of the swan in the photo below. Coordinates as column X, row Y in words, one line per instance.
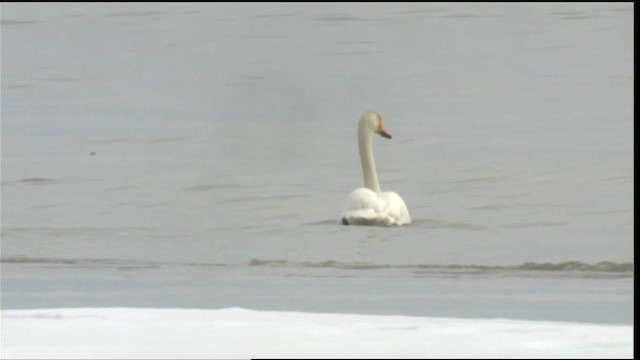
column 367, row 205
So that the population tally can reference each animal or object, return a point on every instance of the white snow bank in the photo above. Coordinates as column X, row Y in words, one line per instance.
column 238, row 333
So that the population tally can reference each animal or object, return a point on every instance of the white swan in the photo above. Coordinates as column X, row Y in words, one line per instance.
column 367, row 205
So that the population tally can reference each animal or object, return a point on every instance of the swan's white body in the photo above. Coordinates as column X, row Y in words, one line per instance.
column 367, row 205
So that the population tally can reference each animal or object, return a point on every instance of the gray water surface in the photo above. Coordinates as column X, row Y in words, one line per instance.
column 198, row 155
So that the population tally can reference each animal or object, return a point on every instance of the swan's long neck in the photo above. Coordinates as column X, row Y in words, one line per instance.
column 365, row 143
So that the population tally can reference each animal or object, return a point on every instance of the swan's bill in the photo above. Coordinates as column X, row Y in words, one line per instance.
column 384, row 134
column 382, row 131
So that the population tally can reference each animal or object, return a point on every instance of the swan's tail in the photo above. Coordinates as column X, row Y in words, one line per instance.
column 365, row 217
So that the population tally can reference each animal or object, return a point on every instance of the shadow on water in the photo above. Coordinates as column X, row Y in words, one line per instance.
column 604, row 269
column 31, row 181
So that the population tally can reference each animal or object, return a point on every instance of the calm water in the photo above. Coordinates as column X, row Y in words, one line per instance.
column 194, row 155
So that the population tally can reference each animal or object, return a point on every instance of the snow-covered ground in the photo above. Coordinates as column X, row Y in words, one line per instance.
column 239, row 333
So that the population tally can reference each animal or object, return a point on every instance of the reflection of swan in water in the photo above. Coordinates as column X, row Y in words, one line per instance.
column 367, row 205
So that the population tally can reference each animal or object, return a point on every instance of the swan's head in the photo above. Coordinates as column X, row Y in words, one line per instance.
column 372, row 121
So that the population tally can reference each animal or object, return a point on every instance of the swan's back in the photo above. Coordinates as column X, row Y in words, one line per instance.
column 366, row 207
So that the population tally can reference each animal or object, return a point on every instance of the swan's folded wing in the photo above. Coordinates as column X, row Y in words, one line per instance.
column 363, row 198
column 396, row 208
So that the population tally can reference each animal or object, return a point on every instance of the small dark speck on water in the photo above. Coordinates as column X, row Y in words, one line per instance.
column 92, row 153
